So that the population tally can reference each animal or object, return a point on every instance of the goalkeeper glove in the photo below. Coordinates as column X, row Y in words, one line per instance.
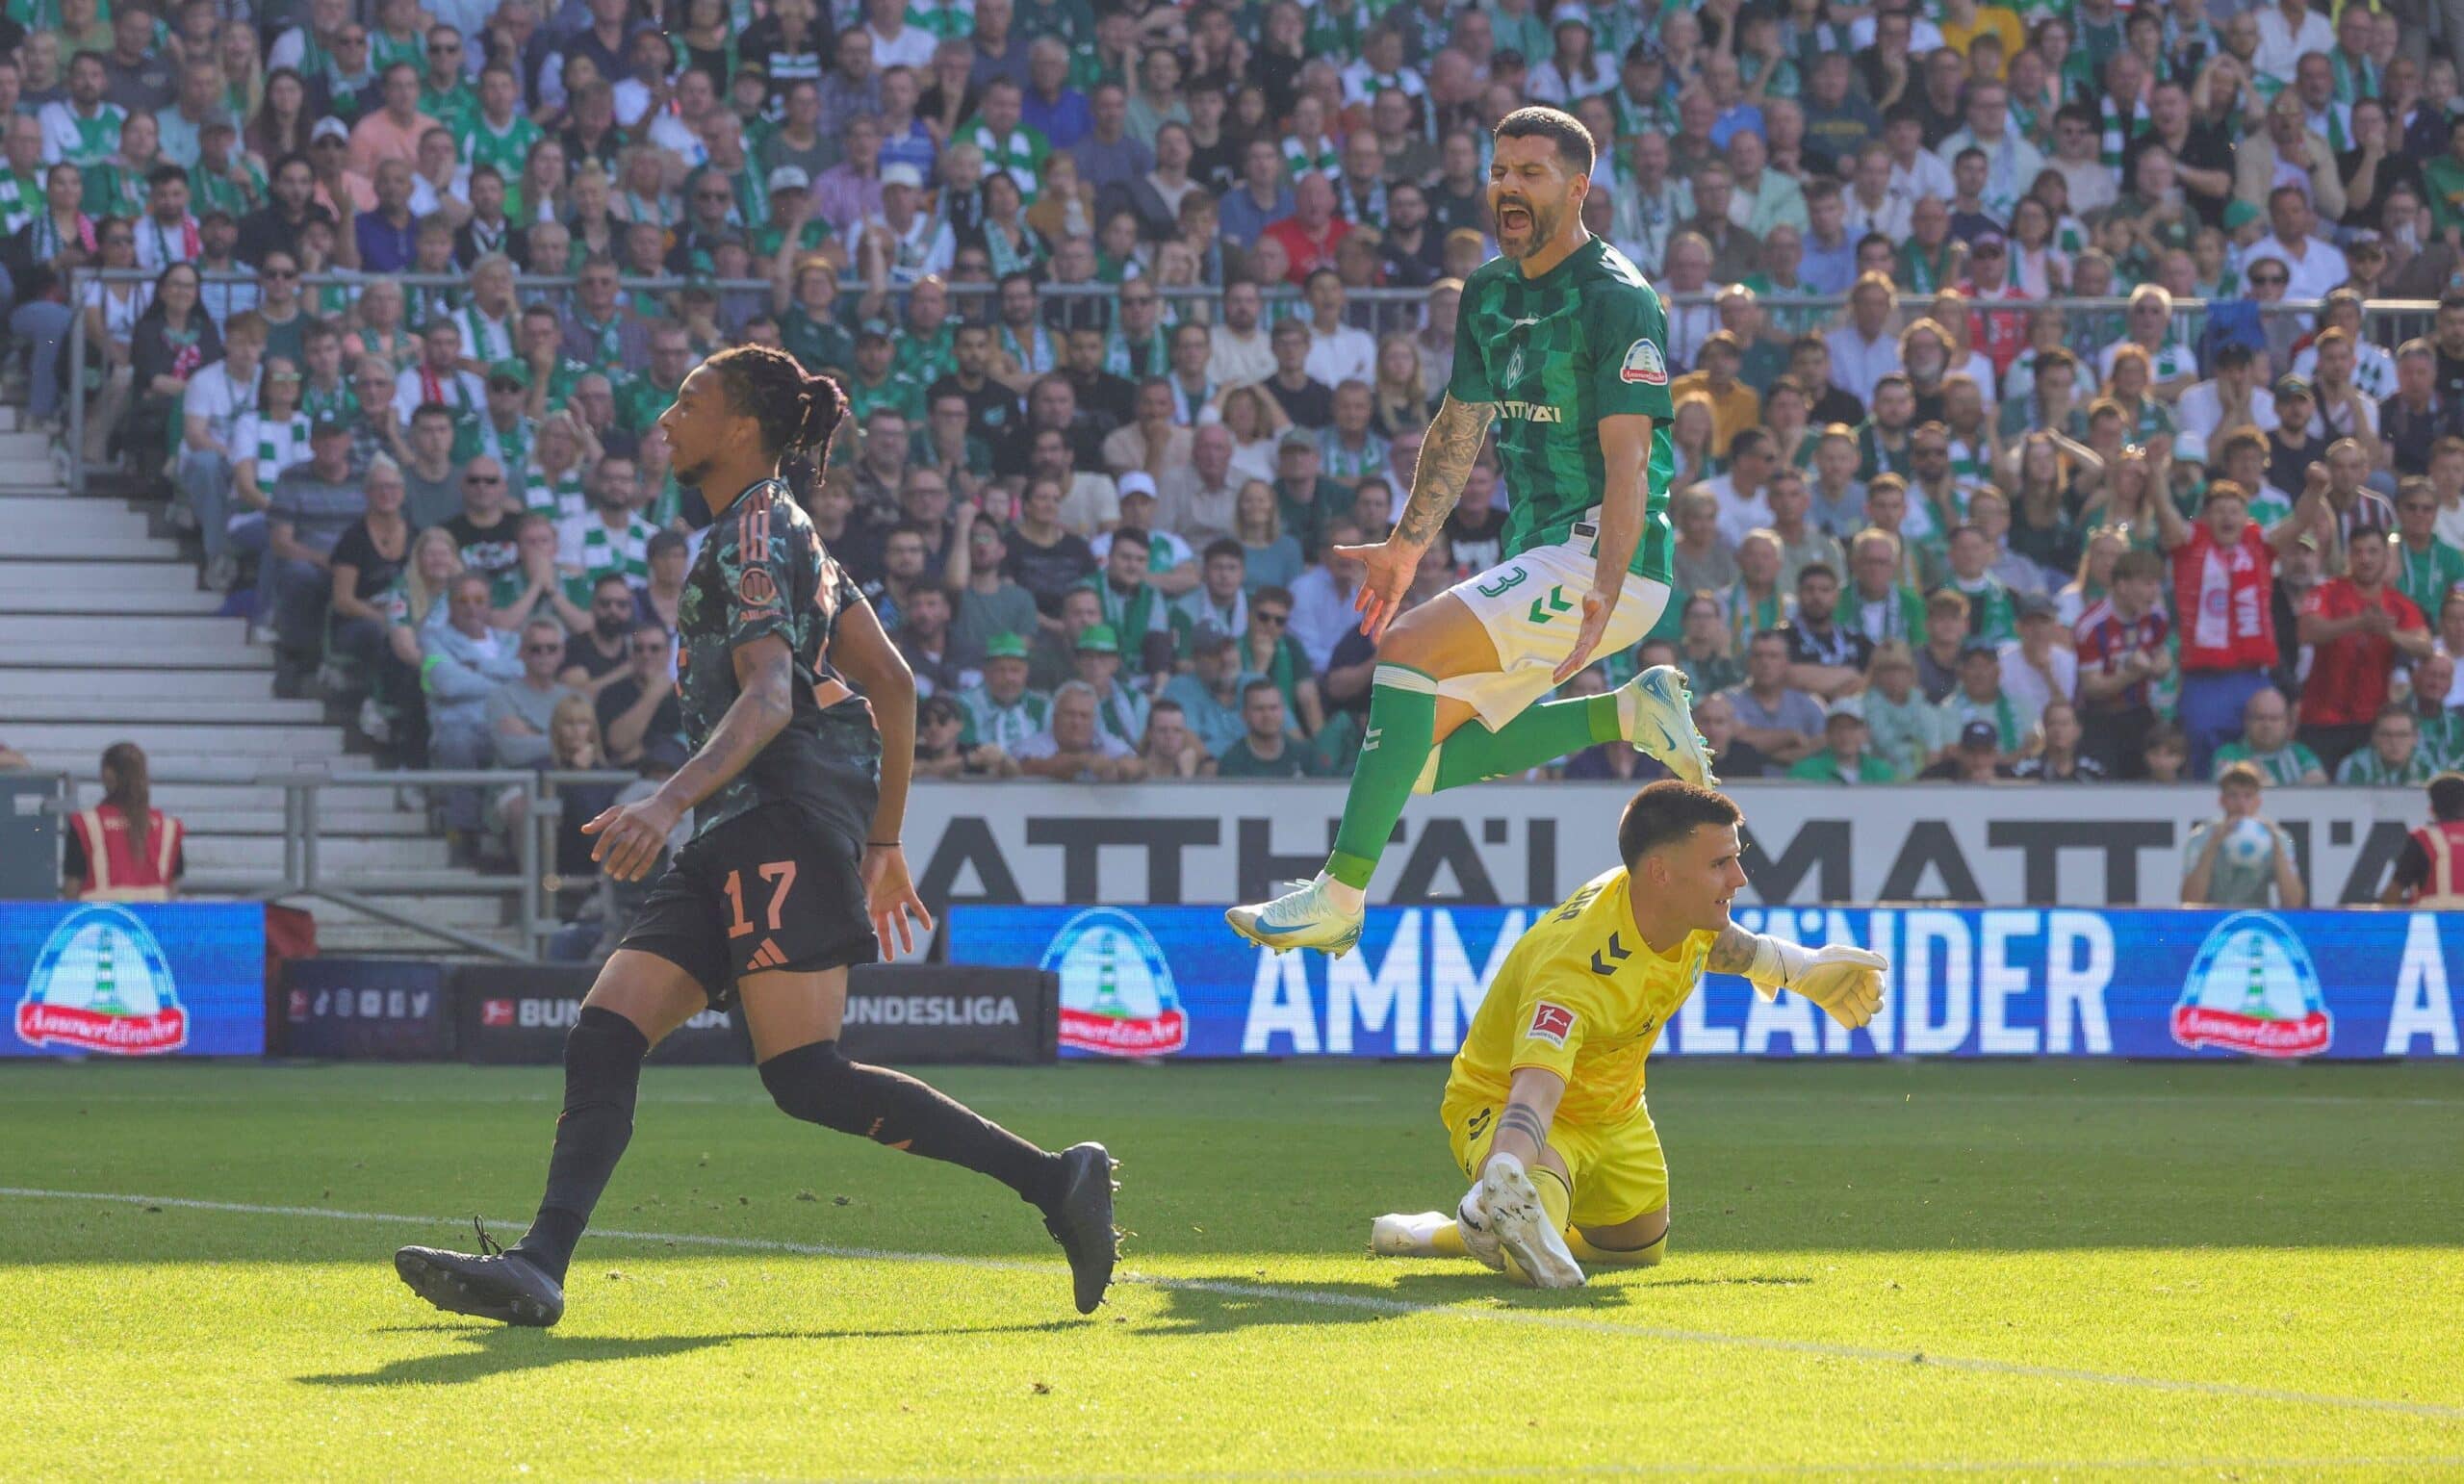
column 1844, row 979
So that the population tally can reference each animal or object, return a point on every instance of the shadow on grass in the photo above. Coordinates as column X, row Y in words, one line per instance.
column 496, row 1349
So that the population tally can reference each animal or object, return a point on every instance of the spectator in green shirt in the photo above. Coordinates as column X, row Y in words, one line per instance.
column 1843, row 759
column 2267, row 744
column 1267, row 749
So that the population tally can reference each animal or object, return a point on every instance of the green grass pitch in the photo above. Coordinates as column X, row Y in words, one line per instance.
column 2029, row 1270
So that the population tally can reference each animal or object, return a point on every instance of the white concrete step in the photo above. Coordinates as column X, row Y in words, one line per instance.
column 228, row 854
column 381, row 939
column 64, row 574
column 145, row 595
column 29, row 467
column 23, row 447
column 64, row 515
column 137, row 630
column 86, row 655
column 125, row 711
column 254, row 685
column 214, row 767
column 73, row 545
column 273, row 744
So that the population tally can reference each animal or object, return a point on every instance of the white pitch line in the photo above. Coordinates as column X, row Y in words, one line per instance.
column 1323, row 1298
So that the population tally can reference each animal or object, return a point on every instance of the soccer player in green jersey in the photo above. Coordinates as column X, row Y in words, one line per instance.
column 1561, row 341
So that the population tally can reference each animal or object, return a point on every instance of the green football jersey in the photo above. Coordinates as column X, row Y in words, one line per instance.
column 1554, row 355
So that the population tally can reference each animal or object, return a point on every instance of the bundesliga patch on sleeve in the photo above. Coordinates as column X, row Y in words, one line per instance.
column 1551, row 1023
column 1643, row 364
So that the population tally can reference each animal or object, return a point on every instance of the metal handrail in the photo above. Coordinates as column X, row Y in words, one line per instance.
column 303, row 874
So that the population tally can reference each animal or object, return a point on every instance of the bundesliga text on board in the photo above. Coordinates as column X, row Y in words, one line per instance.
column 1998, row 981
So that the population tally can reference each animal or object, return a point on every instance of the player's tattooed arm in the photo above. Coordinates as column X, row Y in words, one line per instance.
column 1447, row 452
column 1531, row 1106
column 1732, row 951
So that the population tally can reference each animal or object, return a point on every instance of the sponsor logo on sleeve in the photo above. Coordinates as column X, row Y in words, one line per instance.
column 1643, row 365
column 754, row 587
column 1551, row 1023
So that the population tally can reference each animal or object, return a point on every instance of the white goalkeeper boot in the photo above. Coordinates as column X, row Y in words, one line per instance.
column 1656, row 709
column 1511, row 1212
column 1407, row 1234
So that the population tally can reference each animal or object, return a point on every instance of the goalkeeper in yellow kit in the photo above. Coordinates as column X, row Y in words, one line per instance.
column 1544, row 1108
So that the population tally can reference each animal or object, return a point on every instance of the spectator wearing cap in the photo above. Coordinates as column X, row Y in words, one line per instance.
column 1171, row 565
column 2357, row 625
column 2292, row 447
column 1843, row 758
column 1976, row 758
column 1120, row 711
column 1981, row 698
column 1000, row 710
column 311, row 506
column 907, row 242
column 1777, row 721
column 2036, row 671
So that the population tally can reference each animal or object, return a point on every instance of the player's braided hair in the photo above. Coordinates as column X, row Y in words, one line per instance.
column 798, row 413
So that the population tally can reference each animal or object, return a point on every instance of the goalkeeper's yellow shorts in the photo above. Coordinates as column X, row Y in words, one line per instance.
column 1617, row 1169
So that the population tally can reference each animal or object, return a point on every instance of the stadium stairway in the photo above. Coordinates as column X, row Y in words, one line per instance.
column 107, row 635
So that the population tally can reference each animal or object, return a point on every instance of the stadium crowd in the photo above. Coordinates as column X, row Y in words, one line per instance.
column 1142, row 309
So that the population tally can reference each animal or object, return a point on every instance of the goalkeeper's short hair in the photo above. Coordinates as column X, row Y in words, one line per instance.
column 1670, row 810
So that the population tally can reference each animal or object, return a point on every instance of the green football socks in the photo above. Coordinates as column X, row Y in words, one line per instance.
column 1403, row 726
column 1541, row 734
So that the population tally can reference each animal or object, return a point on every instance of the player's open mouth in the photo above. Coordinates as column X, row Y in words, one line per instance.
column 1514, row 217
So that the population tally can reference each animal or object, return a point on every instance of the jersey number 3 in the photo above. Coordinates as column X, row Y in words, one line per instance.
column 1504, row 584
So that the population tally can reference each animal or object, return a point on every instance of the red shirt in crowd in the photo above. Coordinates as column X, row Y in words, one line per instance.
column 2226, row 601
column 1307, row 253
column 2104, row 639
column 2349, row 677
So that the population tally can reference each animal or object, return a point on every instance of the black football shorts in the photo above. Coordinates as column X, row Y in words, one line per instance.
column 774, row 888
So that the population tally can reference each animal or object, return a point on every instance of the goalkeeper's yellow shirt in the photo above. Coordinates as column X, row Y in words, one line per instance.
column 1581, row 995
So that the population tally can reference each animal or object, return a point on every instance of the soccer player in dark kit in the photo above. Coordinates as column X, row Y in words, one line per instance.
column 798, row 788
